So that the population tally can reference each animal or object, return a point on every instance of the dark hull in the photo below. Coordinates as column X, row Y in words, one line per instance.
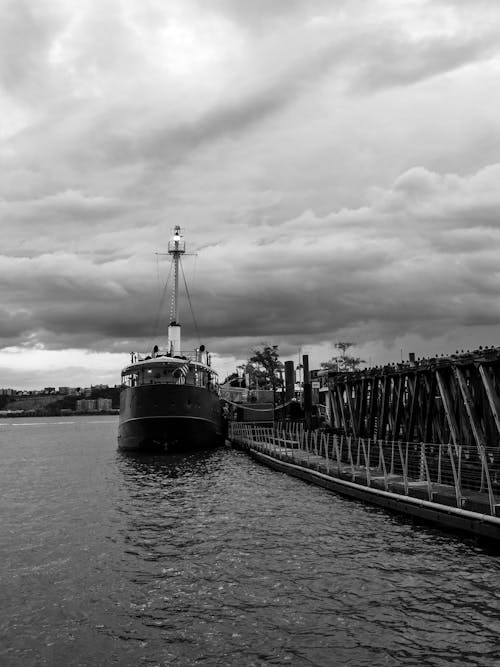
column 169, row 418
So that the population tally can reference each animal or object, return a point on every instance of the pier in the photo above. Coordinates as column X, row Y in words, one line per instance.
column 453, row 399
column 446, row 484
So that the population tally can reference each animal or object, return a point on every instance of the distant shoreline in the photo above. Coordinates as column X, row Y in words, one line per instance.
column 11, row 415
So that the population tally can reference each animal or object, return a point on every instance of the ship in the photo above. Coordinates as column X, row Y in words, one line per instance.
column 170, row 398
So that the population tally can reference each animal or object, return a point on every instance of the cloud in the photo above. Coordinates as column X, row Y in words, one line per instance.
column 335, row 164
column 26, row 32
column 348, row 269
column 399, row 62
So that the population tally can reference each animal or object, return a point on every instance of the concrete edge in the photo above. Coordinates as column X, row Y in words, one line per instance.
column 444, row 515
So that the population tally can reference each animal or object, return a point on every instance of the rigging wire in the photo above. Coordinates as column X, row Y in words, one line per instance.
column 156, row 328
column 157, row 275
column 190, row 304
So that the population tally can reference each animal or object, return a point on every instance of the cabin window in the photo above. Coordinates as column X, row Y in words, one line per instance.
column 168, row 374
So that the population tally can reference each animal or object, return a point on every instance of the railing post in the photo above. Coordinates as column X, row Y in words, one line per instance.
column 384, row 468
column 404, row 465
column 351, row 461
column 423, row 463
column 367, row 462
column 458, row 490
column 491, row 496
column 335, row 444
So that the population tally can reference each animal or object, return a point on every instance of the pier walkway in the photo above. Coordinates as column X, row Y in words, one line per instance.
column 454, row 486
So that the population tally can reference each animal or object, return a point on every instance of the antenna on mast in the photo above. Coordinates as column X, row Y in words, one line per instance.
column 176, row 248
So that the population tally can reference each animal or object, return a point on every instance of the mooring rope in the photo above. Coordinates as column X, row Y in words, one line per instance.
column 246, row 406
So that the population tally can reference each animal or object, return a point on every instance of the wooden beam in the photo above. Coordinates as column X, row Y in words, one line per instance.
column 399, row 407
column 381, row 434
column 448, row 408
column 372, row 409
column 475, row 427
column 413, row 391
column 342, row 409
column 430, row 387
column 335, row 408
column 491, row 395
column 352, row 414
column 362, row 408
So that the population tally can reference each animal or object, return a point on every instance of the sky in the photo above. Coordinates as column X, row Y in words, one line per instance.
column 334, row 166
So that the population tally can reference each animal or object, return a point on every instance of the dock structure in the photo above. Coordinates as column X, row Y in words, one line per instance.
column 453, row 485
column 453, row 399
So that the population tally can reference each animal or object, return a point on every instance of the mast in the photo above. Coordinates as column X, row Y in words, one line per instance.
column 176, row 248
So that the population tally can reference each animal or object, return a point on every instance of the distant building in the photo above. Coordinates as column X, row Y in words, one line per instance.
column 86, row 405
column 104, row 404
column 68, row 391
column 94, row 405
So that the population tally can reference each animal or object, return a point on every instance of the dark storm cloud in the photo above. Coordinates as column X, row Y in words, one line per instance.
column 284, row 136
column 13, row 324
column 331, row 276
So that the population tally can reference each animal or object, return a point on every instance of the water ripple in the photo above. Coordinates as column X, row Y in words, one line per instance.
column 212, row 559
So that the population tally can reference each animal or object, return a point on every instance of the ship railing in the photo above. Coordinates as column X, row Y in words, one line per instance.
column 463, row 475
column 183, row 355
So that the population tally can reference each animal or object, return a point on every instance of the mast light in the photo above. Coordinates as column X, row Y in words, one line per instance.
column 176, row 245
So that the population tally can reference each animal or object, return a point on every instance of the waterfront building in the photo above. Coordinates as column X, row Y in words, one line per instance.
column 94, row 405
column 86, row 405
column 104, row 404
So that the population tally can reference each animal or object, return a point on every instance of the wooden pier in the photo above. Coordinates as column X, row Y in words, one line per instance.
column 453, row 399
column 452, row 485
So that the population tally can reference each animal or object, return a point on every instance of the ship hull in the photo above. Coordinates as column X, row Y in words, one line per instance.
column 169, row 418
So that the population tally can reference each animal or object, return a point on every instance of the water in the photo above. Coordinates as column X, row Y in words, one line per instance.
column 212, row 559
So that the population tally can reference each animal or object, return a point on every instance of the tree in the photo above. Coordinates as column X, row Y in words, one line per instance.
column 233, row 380
column 342, row 362
column 266, row 367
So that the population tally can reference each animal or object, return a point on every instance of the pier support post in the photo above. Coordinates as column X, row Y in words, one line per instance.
column 307, row 393
column 289, row 387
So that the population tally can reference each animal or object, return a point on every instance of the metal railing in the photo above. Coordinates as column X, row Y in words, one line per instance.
column 243, row 395
column 462, row 472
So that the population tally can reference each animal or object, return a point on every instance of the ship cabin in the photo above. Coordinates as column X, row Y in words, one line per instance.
column 190, row 368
